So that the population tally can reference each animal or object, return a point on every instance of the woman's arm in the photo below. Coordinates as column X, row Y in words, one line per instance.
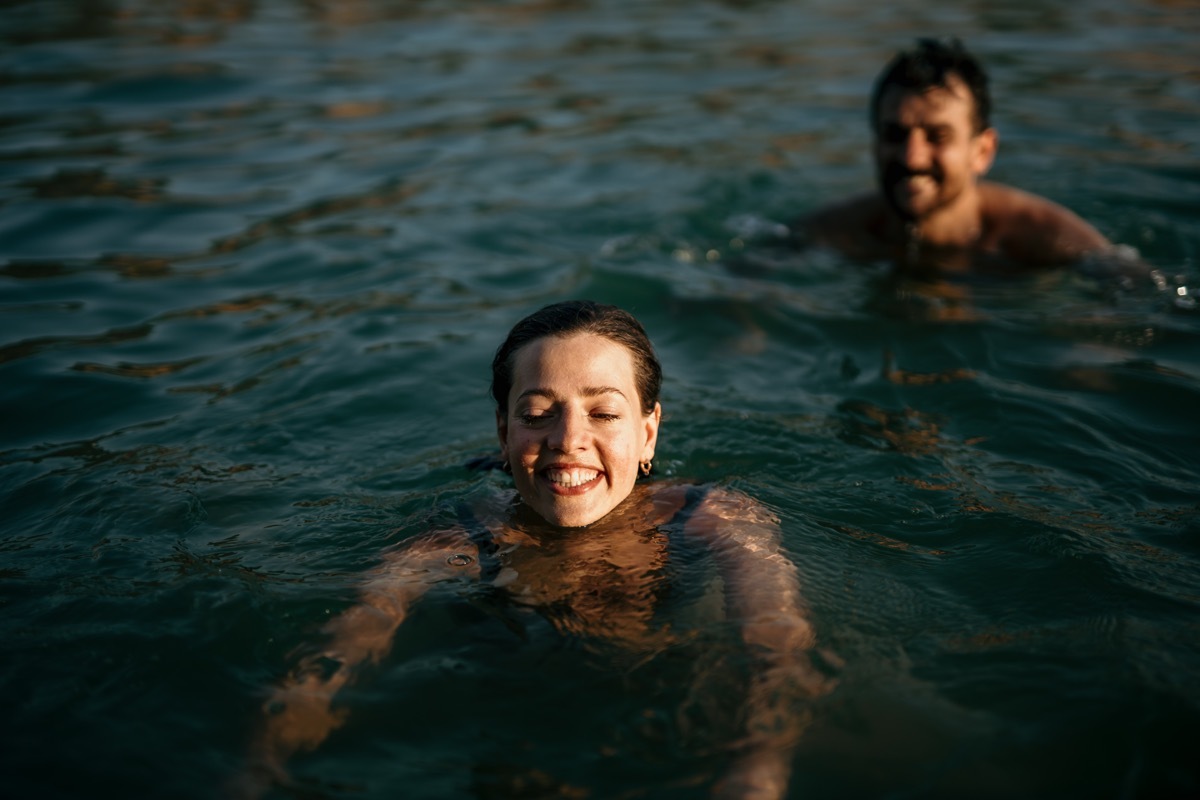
column 299, row 713
column 762, row 594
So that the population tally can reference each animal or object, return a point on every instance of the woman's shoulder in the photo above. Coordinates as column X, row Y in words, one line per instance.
column 708, row 506
column 728, row 518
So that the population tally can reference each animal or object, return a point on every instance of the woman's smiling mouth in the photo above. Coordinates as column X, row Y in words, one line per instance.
column 571, row 480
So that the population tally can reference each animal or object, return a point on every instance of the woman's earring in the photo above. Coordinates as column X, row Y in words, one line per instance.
column 645, row 467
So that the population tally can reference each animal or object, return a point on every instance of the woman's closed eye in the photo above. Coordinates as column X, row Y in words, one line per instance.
column 534, row 418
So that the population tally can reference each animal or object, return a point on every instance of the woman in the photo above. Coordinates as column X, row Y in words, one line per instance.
column 576, row 386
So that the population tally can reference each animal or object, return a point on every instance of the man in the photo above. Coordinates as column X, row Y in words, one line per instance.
column 933, row 143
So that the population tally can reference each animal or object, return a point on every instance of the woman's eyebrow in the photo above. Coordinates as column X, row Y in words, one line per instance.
column 595, row 391
column 587, row 391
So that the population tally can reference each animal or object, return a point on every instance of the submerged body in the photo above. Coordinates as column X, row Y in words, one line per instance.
column 1007, row 231
column 601, row 587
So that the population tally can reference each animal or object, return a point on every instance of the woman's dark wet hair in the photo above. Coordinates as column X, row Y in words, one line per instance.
column 575, row 317
column 933, row 63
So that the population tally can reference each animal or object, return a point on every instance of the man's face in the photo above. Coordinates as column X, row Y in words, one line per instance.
column 927, row 153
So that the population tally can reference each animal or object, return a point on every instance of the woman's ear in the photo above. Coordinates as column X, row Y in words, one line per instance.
column 652, row 421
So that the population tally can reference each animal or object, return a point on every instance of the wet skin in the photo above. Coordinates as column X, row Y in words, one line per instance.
column 584, row 548
column 932, row 211
column 928, row 157
column 574, row 432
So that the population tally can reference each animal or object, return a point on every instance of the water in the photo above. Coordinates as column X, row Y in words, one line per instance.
column 254, row 259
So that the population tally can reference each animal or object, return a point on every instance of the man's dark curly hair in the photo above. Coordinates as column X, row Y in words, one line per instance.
column 934, row 63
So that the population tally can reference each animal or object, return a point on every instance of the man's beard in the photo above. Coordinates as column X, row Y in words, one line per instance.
column 894, row 174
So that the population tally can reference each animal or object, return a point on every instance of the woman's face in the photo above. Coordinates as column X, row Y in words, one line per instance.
column 574, row 432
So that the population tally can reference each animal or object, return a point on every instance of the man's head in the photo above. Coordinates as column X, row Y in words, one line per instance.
column 935, row 64
column 932, row 137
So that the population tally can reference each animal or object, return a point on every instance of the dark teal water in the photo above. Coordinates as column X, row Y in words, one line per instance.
column 254, row 259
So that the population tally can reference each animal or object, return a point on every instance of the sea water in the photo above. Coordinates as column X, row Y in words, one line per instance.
column 254, row 261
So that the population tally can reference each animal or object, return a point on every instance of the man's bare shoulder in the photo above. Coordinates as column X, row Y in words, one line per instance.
column 1032, row 228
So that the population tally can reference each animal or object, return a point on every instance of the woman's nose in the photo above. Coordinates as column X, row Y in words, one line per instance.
column 569, row 433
